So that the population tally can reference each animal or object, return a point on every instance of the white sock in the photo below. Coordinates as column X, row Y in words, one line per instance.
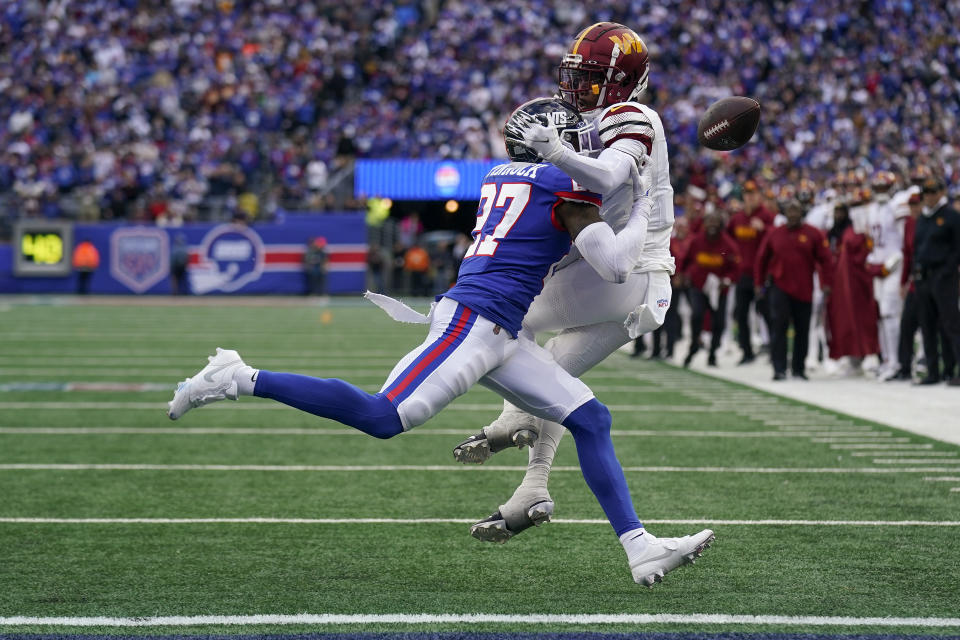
column 246, row 379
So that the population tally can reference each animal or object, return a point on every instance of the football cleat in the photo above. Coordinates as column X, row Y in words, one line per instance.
column 663, row 555
column 479, row 448
column 499, row 527
column 512, row 428
column 212, row 383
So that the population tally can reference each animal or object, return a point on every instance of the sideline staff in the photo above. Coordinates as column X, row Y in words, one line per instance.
column 937, row 258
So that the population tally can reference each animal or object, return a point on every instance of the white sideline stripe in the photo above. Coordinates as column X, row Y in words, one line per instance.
column 942, row 479
column 451, row 618
column 697, row 521
column 193, row 431
column 954, row 489
column 27, row 466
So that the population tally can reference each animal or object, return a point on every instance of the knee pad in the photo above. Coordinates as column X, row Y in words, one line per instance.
column 592, row 416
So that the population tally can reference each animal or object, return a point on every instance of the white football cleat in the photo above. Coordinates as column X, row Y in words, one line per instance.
column 480, row 447
column 512, row 428
column 214, row 382
column 508, row 522
column 662, row 555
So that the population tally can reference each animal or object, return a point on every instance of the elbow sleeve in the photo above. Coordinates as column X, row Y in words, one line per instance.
column 612, row 256
column 601, row 174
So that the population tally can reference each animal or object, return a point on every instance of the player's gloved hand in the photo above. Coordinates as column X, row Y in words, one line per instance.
column 891, row 263
column 543, row 140
column 642, row 183
column 643, row 179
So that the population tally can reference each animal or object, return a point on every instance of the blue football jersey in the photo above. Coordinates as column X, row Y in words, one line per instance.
column 516, row 240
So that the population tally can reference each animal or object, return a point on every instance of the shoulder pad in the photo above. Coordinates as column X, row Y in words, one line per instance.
column 625, row 121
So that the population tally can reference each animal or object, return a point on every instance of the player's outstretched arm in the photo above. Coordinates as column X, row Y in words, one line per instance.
column 612, row 255
column 628, row 143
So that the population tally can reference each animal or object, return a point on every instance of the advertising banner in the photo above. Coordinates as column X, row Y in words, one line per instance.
column 221, row 258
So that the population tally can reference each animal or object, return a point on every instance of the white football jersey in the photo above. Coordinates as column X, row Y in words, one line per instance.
column 639, row 119
column 900, row 199
column 886, row 231
column 821, row 216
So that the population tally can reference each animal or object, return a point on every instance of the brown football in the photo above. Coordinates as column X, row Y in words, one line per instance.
column 729, row 123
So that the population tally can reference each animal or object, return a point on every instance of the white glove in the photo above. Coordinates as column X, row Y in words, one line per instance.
column 543, row 140
column 891, row 263
column 642, row 179
column 642, row 183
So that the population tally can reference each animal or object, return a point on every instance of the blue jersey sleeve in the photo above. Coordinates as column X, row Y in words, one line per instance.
column 565, row 187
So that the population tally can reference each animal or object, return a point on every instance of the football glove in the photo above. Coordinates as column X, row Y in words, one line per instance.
column 642, row 180
column 543, row 140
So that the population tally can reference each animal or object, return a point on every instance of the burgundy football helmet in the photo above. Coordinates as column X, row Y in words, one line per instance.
column 606, row 64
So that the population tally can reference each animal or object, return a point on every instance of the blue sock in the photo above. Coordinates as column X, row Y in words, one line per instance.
column 590, row 426
column 334, row 399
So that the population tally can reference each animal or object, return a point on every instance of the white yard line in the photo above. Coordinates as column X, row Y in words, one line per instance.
column 858, row 440
column 456, row 468
column 887, row 452
column 275, row 406
column 881, row 446
column 821, row 427
column 323, row 431
column 563, row 521
column 909, row 461
column 476, row 618
column 943, row 479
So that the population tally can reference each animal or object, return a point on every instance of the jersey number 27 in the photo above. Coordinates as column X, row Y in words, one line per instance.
column 494, row 212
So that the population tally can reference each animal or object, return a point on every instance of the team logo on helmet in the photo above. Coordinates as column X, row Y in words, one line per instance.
column 606, row 64
column 231, row 256
column 139, row 257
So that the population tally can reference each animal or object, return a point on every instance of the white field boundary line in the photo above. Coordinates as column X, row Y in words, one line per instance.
column 475, row 618
column 243, row 431
column 27, row 466
column 942, row 479
column 585, row 521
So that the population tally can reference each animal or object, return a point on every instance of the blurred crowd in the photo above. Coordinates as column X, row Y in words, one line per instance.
column 177, row 109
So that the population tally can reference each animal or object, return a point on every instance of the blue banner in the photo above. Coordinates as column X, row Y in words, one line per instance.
column 222, row 258
column 421, row 179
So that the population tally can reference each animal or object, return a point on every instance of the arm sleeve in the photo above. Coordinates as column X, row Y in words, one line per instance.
column 601, row 174
column 613, row 256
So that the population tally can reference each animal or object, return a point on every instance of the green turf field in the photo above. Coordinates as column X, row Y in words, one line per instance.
column 109, row 509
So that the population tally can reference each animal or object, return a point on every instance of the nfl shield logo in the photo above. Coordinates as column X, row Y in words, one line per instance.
column 139, row 257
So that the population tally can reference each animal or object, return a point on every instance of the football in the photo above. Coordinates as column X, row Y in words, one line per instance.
column 729, row 123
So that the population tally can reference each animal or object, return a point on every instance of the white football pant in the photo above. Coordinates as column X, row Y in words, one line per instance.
column 886, row 291
column 463, row 348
